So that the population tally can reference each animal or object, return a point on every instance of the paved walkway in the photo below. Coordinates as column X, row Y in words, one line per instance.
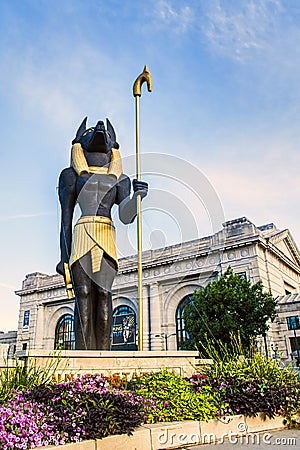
column 268, row 440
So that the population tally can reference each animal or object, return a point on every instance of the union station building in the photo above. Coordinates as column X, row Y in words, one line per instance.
column 170, row 276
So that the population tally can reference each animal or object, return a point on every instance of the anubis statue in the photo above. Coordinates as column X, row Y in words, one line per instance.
column 89, row 261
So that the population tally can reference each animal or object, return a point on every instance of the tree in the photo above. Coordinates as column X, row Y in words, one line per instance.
column 226, row 307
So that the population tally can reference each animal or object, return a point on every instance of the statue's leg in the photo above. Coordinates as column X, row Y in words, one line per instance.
column 103, row 306
column 103, row 330
column 84, row 315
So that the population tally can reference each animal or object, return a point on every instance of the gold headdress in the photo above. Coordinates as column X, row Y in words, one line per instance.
column 80, row 165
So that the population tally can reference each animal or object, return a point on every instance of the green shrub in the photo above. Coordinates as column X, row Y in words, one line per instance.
column 174, row 397
column 249, row 385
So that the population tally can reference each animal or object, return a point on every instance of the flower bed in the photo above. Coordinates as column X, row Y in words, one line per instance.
column 86, row 408
column 252, row 386
column 92, row 407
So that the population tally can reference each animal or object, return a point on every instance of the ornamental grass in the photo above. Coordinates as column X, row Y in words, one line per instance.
column 249, row 385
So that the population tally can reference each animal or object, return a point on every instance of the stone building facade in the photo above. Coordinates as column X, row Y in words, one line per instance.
column 170, row 276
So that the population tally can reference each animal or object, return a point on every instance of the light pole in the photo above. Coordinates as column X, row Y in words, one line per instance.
column 266, row 345
column 275, row 350
column 167, row 337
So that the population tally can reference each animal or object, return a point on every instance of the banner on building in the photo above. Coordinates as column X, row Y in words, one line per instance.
column 124, row 329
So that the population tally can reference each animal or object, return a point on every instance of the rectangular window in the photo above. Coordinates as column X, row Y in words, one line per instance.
column 26, row 318
column 289, row 289
column 295, row 343
column 293, row 323
column 242, row 275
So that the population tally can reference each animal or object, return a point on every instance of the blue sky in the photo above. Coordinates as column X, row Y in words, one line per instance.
column 226, row 99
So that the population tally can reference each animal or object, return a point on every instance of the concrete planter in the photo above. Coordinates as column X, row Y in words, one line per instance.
column 221, row 429
column 161, row 436
column 173, row 434
column 297, row 417
column 263, row 423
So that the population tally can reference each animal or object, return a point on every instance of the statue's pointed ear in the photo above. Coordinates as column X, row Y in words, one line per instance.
column 80, row 131
column 111, row 131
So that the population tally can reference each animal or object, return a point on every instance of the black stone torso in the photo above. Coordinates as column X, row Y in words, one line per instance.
column 96, row 194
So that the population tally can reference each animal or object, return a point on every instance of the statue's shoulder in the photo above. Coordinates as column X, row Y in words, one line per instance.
column 124, row 183
column 123, row 188
column 124, row 178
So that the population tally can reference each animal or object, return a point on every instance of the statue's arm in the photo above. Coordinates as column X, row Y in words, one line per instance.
column 67, row 198
column 127, row 204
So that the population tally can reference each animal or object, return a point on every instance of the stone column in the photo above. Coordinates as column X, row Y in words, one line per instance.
column 156, row 318
column 39, row 326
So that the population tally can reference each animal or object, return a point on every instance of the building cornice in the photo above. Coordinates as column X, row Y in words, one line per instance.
column 267, row 244
column 235, row 234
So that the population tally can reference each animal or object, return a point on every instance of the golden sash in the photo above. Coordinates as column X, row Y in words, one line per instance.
column 95, row 234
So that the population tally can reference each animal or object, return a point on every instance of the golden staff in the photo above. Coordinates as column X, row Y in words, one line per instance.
column 145, row 76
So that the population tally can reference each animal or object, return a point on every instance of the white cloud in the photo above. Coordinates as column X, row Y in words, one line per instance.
column 62, row 89
column 177, row 17
column 260, row 192
column 43, row 96
column 24, row 216
column 239, row 29
column 236, row 29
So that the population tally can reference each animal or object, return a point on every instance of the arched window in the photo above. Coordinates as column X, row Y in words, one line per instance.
column 123, row 309
column 64, row 333
column 124, row 328
column 182, row 334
